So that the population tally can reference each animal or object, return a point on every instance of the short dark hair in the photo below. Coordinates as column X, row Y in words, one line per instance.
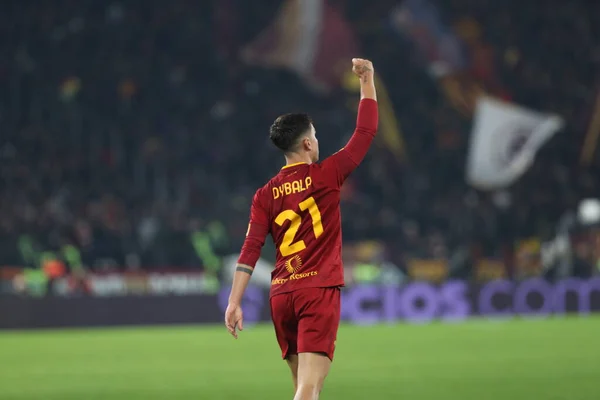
column 287, row 129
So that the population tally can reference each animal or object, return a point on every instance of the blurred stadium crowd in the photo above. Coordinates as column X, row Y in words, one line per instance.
column 135, row 133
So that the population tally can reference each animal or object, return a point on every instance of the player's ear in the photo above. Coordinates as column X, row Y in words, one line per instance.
column 306, row 143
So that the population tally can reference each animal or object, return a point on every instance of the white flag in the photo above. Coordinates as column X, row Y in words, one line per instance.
column 504, row 141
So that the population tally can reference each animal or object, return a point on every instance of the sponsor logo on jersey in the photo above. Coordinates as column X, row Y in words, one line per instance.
column 292, row 265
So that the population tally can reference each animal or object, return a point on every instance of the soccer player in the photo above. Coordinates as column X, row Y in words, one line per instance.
column 300, row 208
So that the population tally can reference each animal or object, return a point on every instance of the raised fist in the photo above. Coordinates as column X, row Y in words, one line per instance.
column 362, row 68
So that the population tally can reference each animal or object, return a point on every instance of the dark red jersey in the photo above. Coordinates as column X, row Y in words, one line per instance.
column 300, row 208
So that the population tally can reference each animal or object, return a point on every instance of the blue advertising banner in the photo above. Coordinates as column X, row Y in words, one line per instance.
column 452, row 301
column 417, row 302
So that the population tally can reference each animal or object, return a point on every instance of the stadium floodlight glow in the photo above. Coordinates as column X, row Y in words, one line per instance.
column 589, row 211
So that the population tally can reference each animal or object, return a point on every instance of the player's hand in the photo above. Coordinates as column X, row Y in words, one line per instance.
column 363, row 69
column 234, row 319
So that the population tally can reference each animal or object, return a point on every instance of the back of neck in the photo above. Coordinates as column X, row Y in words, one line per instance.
column 297, row 159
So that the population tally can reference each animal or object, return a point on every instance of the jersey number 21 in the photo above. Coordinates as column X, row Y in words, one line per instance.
column 288, row 246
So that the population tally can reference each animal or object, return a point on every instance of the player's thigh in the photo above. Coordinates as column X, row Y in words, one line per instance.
column 318, row 314
column 313, row 368
column 285, row 324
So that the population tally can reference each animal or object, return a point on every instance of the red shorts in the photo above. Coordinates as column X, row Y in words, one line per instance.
column 307, row 320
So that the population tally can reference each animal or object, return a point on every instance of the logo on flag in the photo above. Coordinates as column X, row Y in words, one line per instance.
column 504, row 141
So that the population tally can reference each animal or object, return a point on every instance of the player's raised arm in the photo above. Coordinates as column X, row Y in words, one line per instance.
column 365, row 72
column 255, row 239
column 346, row 160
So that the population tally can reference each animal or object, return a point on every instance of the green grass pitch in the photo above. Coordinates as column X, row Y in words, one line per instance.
column 547, row 359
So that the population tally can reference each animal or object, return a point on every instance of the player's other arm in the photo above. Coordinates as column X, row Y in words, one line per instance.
column 346, row 160
column 365, row 72
column 255, row 239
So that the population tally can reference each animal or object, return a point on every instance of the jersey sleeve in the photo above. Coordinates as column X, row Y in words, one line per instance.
column 341, row 164
column 258, row 229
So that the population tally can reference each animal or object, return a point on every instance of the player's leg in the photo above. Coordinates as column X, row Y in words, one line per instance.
column 318, row 315
column 292, row 361
column 286, row 331
column 312, row 371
